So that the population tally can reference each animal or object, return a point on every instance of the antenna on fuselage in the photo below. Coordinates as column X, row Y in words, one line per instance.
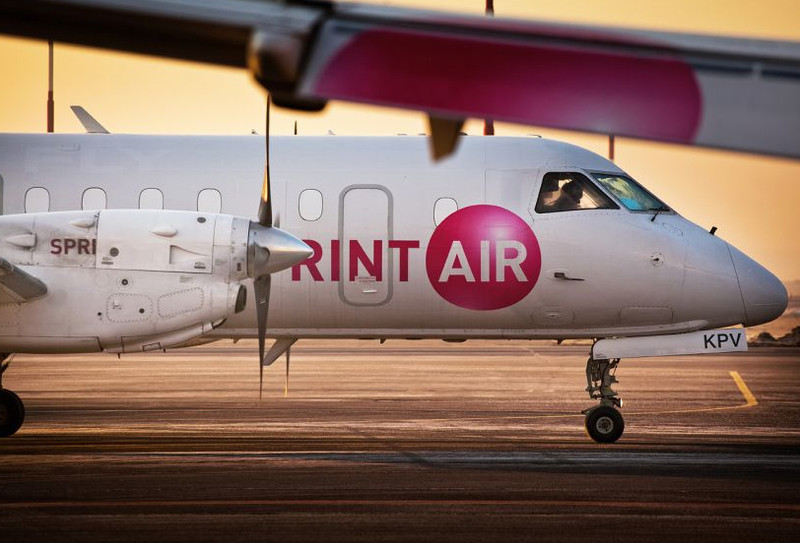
column 488, row 124
column 90, row 124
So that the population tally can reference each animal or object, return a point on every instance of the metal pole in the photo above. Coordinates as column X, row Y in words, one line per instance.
column 50, row 103
column 488, row 124
column 611, row 147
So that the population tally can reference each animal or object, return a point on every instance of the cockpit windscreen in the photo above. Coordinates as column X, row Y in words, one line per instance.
column 570, row 191
column 630, row 193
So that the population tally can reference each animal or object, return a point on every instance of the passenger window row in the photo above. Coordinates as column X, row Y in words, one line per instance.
column 37, row 200
column 310, row 205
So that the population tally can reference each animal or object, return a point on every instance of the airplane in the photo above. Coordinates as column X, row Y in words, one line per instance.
column 519, row 238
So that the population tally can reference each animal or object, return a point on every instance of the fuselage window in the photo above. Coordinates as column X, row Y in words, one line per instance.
column 93, row 198
column 443, row 208
column 37, row 200
column 632, row 195
column 310, row 204
column 209, row 201
column 151, row 199
column 570, row 191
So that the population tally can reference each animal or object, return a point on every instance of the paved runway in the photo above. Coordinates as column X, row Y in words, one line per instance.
column 405, row 441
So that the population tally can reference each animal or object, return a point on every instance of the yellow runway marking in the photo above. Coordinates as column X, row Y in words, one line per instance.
column 748, row 396
column 750, row 400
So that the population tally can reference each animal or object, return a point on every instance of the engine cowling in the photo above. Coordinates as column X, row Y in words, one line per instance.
column 128, row 280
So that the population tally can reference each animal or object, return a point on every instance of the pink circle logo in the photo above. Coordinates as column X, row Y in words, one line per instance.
column 483, row 257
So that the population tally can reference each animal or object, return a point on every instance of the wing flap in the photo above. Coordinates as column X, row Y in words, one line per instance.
column 18, row 286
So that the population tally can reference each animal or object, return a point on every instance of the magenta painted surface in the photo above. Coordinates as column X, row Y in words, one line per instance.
column 470, row 226
column 548, row 85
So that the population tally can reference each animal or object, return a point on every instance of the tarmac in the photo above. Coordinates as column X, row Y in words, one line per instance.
column 404, row 441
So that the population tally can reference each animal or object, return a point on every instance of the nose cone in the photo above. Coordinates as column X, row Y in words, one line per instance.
column 273, row 250
column 765, row 298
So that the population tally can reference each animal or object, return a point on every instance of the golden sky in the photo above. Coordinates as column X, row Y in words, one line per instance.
column 751, row 199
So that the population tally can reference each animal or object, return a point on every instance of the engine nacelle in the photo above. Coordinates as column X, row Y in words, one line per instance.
column 122, row 280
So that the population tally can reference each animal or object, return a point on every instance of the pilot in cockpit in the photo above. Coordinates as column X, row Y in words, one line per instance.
column 570, row 197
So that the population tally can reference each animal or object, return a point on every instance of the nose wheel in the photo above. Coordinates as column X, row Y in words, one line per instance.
column 12, row 410
column 604, row 423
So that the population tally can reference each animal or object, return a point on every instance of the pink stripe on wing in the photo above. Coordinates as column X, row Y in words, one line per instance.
column 653, row 97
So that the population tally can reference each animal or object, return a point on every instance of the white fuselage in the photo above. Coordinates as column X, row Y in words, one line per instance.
column 603, row 272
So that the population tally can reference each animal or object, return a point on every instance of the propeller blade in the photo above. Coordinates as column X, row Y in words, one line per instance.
column 265, row 207
column 286, row 380
column 262, row 287
column 260, row 382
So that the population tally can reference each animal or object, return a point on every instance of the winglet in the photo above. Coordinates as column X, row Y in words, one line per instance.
column 89, row 123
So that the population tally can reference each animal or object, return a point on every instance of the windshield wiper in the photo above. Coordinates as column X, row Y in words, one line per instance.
column 657, row 210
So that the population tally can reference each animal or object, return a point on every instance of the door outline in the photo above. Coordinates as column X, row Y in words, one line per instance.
column 389, row 272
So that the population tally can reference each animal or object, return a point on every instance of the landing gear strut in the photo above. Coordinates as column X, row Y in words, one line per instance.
column 603, row 422
column 12, row 410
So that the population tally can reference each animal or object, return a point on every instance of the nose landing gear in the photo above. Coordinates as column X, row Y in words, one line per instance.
column 604, row 423
column 12, row 410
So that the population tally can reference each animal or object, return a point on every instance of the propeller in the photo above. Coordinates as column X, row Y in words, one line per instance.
column 269, row 250
column 286, row 379
column 262, row 285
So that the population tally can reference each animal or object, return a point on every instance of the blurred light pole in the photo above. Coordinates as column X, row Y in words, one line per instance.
column 488, row 124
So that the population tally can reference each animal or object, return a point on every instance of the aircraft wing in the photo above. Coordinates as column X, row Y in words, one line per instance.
column 18, row 286
column 728, row 93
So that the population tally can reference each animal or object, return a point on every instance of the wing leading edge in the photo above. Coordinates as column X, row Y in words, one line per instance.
column 699, row 90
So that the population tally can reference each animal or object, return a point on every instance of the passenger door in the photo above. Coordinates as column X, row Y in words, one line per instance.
column 365, row 228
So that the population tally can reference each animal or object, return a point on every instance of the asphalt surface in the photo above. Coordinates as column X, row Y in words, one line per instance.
column 406, row 441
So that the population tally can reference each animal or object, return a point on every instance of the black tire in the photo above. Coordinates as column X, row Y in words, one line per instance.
column 12, row 413
column 21, row 405
column 604, row 424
